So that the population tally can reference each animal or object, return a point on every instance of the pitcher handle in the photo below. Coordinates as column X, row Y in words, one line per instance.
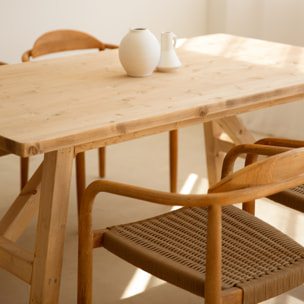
column 174, row 38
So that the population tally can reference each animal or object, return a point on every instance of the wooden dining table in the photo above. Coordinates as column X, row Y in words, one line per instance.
column 64, row 106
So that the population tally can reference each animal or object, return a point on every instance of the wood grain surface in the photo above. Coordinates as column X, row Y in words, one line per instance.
column 72, row 101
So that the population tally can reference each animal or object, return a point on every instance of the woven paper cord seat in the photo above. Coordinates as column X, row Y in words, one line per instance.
column 293, row 198
column 159, row 246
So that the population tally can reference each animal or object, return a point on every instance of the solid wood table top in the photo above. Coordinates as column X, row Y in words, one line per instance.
column 69, row 101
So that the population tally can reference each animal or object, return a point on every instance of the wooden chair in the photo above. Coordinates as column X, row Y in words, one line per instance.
column 2, row 63
column 292, row 198
column 67, row 40
column 61, row 41
column 208, row 247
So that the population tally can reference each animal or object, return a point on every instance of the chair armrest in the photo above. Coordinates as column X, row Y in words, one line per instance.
column 263, row 178
column 224, row 198
column 254, row 149
column 265, row 146
column 282, row 142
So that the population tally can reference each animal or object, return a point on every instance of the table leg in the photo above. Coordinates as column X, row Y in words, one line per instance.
column 55, row 188
column 214, row 156
column 220, row 136
column 23, row 209
column 236, row 130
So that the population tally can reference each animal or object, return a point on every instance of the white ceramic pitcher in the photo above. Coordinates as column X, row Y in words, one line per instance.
column 168, row 58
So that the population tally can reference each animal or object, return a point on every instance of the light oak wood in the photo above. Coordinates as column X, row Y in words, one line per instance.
column 282, row 168
column 212, row 83
column 16, row 260
column 87, row 101
column 23, row 209
column 288, row 198
column 218, row 143
column 135, row 135
column 214, row 152
column 270, row 175
column 251, row 151
column 235, row 129
column 55, row 190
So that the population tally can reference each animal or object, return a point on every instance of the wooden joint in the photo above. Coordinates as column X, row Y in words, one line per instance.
column 30, row 192
column 98, row 237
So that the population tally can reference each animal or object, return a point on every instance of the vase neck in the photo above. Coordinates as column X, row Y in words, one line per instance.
column 138, row 29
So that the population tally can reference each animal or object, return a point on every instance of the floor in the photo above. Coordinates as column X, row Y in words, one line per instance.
column 142, row 162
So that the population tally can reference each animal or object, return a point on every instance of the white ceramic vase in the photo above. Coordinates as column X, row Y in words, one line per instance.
column 168, row 59
column 139, row 52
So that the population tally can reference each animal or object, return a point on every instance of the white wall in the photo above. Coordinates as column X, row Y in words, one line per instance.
column 22, row 21
column 275, row 20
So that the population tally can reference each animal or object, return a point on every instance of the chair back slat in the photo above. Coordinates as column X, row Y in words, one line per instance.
column 274, row 169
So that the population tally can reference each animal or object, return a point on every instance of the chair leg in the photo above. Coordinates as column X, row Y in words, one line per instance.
column 85, row 252
column 80, row 177
column 85, row 270
column 102, row 161
column 24, row 168
column 173, row 135
column 214, row 256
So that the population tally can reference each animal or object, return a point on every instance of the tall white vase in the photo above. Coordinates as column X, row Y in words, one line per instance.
column 168, row 59
column 139, row 52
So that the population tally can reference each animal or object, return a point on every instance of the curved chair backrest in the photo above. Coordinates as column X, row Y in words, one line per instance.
column 2, row 63
column 281, row 167
column 64, row 40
